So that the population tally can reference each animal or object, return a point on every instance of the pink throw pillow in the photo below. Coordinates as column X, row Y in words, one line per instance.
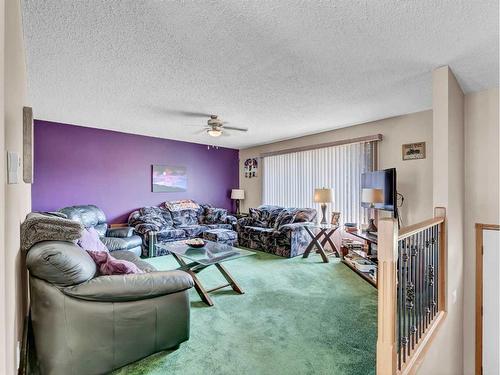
column 109, row 265
column 90, row 241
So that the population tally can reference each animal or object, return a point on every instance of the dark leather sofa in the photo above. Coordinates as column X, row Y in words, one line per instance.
column 84, row 323
column 114, row 238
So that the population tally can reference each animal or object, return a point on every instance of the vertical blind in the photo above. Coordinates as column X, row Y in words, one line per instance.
column 290, row 179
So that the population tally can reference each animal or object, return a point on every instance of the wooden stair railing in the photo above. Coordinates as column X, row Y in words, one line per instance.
column 411, row 291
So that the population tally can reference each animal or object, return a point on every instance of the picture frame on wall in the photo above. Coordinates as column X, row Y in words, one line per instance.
column 168, row 179
column 413, row 151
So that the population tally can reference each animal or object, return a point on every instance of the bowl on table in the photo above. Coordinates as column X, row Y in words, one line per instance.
column 196, row 243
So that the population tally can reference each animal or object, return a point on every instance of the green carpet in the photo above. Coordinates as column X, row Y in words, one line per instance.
column 297, row 316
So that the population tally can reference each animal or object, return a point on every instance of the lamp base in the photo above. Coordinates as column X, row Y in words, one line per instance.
column 237, row 206
column 323, row 212
column 371, row 226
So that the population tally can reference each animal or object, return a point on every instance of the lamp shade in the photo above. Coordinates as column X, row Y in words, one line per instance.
column 323, row 195
column 237, row 194
column 372, row 196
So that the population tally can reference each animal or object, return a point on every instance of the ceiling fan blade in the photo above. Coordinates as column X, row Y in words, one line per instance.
column 234, row 128
column 200, row 131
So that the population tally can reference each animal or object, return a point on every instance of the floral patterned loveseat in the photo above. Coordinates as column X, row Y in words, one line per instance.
column 276, row 230
column 176, row 220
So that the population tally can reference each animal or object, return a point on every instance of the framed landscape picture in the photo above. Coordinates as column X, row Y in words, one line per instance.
column 168, row 179
column 412, row 151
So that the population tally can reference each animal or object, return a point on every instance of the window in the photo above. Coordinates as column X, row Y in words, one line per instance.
column 290, row 179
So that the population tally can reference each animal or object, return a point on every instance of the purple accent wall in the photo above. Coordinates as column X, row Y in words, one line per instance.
column 78, row 165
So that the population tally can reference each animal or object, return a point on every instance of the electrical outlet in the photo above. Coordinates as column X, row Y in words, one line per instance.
column 454, row 296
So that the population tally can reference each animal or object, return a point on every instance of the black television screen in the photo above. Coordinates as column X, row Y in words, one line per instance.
column 386, row 181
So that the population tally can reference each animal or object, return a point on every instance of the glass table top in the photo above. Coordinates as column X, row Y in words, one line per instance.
column 211, row 253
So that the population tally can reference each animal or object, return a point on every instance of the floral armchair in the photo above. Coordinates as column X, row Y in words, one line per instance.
column 173, row 221
column 276, row 230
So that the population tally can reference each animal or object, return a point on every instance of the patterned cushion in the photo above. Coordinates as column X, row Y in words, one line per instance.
column 181, row 205
column 185, row 218
column 220, row 235
column 285, row 217
column 219, row 226
column 214, row 215
column 170, row 235
column 193, row 230
column 265, row 216
column 303, row 215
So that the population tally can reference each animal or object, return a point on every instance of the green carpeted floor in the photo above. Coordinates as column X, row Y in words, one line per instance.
column 297, row 316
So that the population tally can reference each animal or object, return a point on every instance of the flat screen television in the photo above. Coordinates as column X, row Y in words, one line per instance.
column 386, row 181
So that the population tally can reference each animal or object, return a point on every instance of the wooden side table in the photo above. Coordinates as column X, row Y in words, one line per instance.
column 320, row 239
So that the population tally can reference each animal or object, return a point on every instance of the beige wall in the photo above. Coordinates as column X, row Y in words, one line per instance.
column 17, row 196
column 445, row 353
column 414, row 176
column 481, row 194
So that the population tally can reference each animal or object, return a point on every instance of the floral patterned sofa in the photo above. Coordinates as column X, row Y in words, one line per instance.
column 176, row 220
column 276, row 230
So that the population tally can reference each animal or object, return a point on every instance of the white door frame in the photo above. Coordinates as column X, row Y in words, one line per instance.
column 479, row 292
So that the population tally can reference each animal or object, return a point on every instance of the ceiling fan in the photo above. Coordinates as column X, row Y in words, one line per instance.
column 216, row 127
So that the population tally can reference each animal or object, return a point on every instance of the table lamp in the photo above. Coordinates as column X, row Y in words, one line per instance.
column 323, row 196
column 237, row 195
column 372, row 196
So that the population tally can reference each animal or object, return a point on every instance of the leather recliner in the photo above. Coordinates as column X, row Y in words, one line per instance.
column 122, row 238
column 88, row 324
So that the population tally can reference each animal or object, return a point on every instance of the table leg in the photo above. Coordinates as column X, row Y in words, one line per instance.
column 315, row 242
column 328, row 235
column 229, row 278
column 197, row 284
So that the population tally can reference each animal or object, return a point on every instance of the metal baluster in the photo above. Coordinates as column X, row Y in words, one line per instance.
column 419, row 283
column 412, row 291
column 436, row 269
column 426, row 297
column 404, row 338
column 401, row 244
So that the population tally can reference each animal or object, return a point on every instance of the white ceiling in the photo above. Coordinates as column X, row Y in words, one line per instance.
column 281, row 68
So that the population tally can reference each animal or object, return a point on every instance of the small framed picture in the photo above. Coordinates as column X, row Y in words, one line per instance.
column 413, row 151
column 335, row 218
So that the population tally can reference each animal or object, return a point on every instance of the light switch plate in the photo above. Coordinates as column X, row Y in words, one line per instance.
column 12, row 168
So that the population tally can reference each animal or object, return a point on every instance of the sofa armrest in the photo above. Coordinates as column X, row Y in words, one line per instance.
column 245, row 222
column 230, row 219
column 132, row 287
column 293, row 227
column 120, row 232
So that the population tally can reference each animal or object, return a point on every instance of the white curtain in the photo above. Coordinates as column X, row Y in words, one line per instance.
column 289, row 180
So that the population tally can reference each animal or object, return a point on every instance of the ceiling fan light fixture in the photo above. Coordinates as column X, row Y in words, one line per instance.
column 214, row 132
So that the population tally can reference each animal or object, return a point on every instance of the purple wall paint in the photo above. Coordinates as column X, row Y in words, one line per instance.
column 79, row 165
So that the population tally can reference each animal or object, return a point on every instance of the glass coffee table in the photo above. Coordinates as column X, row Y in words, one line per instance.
column 193, row 260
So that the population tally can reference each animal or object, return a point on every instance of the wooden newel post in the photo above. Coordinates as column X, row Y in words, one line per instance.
column 387, row 262
column 443, row 258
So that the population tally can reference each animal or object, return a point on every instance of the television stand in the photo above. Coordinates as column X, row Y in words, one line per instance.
column 370, row 255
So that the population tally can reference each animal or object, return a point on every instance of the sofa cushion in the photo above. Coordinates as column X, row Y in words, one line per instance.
column 219, row 226
column 265, row 216
column 303, row 215
column 60, row 263
column 185, row 217
column 213, row 215
column 131, row 257
column 181, row 205
column 170, row 235
column 286, row 216
column 193, row 230
column 114, row 243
